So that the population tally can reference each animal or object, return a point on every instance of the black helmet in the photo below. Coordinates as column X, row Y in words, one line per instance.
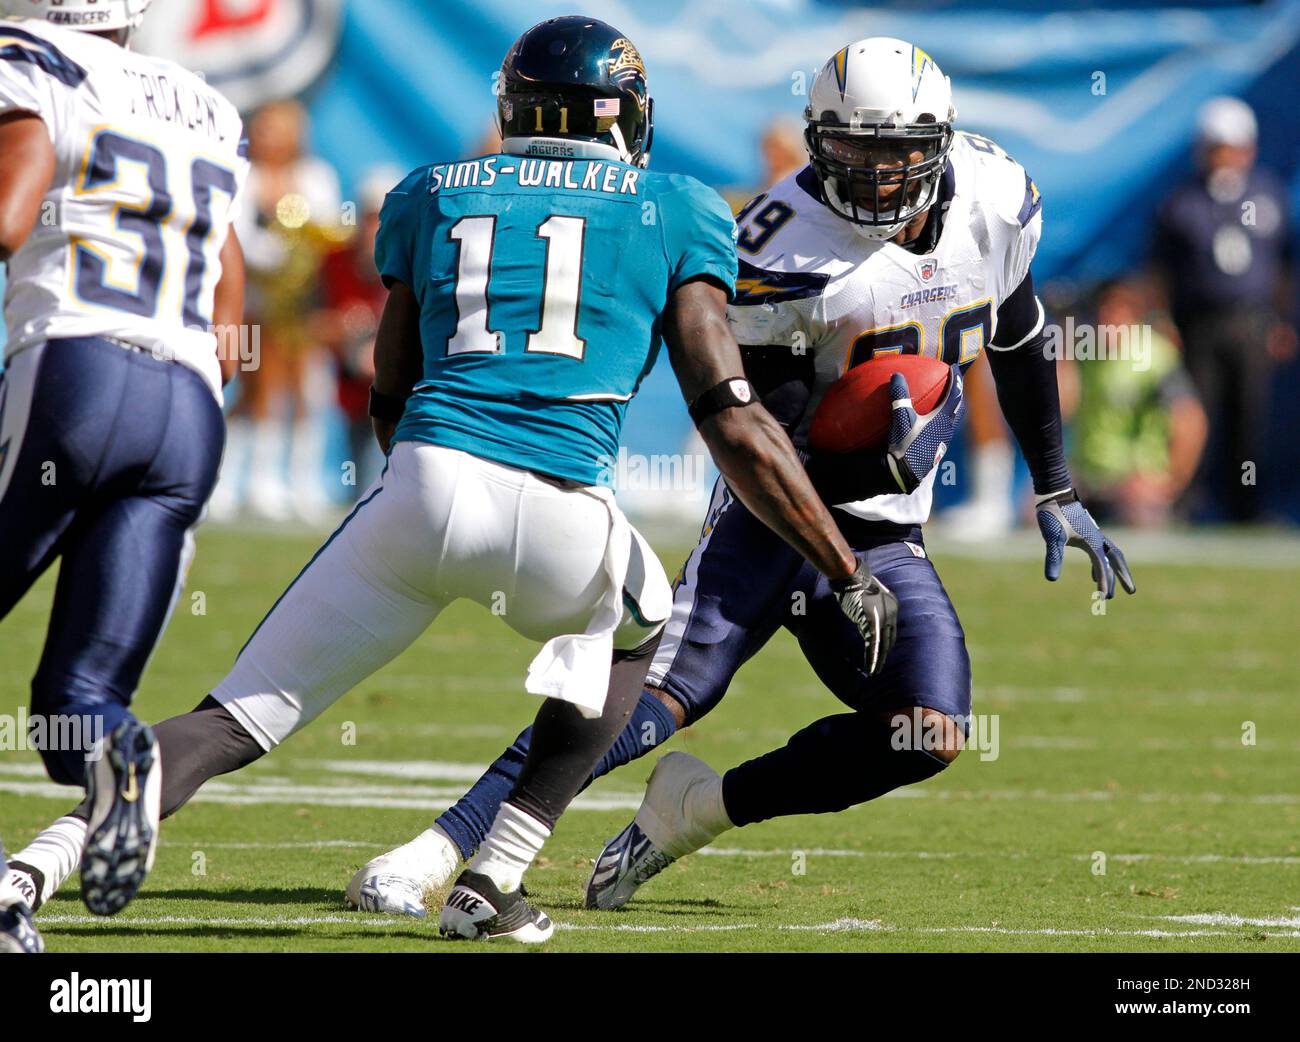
column 575, row 87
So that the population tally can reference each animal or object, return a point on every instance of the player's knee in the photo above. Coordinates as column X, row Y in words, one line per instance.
column 930, row 732
column 673, row 706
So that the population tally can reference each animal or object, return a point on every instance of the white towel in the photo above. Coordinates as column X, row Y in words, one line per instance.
column 575, row 667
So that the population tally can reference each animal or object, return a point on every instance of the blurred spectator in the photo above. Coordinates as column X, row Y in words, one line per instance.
column 291, row 218
column 1138, row 427
column 782, row 153
column 1222, row 250
column 352, row 301
column 782, row 145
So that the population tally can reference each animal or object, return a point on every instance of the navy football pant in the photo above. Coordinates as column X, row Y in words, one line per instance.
column 739, row 586
column 107, row 456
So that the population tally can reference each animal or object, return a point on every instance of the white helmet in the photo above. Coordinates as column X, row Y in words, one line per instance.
column 873, row 105
column 90, row 16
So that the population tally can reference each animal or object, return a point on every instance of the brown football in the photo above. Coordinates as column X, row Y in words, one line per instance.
column 854, row 415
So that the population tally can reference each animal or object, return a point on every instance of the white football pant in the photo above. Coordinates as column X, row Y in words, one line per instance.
column 552, row 559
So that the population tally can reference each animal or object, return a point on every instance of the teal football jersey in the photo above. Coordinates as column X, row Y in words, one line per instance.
column 541, row 286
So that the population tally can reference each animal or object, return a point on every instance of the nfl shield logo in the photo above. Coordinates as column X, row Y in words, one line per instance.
column 927, row 268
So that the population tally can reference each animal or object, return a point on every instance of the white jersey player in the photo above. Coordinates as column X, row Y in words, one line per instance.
column 810, row 279
column 119, row 177
column 900, row 236
column 148, row 169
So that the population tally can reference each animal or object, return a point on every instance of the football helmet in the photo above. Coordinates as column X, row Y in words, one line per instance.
column 574, row 87
column 873, row 107
column 91, row 16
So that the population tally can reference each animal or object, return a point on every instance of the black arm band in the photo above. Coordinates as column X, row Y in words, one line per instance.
column 1026, row 381
column 386, row 406
column 734, row 392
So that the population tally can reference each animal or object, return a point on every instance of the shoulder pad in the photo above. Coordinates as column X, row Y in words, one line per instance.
column 1010, row 191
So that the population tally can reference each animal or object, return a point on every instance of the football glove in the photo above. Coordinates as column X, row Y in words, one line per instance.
column 873, row 608
column 918, row 443
column 1064, row 522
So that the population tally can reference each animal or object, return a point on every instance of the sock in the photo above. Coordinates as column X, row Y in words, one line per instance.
column 514, row 840
column 52, row 856
column 835, row 763
column 432, row 852
column 199, row 745
column 703, row 819
column 468, row 820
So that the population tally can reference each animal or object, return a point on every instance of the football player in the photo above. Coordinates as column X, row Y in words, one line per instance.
column 901, row 235
column 530, row 291
column 119, row 177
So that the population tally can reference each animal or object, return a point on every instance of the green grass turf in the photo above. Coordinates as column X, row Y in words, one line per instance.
column 1119, row 734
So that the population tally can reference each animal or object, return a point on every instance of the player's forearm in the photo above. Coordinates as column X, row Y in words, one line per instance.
column 1025, row 377
column 850, row 477
column 399, row 356
column 765, row 472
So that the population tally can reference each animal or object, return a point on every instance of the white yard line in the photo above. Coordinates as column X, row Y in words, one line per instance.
column 1015, row 855
column 1226, row 919
column 437, row 798
column 845, row 925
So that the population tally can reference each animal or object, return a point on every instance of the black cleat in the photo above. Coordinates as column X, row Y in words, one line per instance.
column 477, row 911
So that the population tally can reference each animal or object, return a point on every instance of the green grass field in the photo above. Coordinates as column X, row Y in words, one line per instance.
column 1119, row 736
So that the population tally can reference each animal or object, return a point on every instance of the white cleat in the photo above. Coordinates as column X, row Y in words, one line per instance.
column 398, row 882
column 682, row 811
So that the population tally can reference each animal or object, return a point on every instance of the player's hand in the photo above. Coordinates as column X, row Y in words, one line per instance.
column 918, row 443
column 1064, row 522
column 873, row 608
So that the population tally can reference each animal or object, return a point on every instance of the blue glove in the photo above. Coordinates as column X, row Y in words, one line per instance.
column 1064, row 522
column 918, row 443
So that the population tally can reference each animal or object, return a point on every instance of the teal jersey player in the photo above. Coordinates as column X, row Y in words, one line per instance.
column 541, row 283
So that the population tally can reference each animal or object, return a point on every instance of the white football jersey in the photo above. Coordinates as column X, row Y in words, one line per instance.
column 148, row 173
column 809, row 282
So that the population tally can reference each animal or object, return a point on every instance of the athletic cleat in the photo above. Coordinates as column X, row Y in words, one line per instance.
column 392, row 895
column 397, row 883
column 682, row 811
column 628, row 860
column 124, row 789
column 477, row 911
column 18, row 934
column 18, row 887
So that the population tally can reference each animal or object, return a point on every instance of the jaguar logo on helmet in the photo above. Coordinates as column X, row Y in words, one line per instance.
column 628, row 60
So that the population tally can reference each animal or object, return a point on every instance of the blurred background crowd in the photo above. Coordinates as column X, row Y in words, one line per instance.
column 1163, row 138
